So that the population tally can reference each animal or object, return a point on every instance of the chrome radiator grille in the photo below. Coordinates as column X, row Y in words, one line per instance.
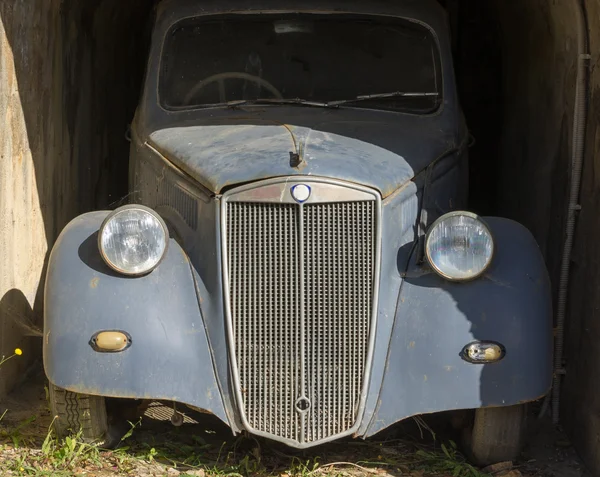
column 301, row 281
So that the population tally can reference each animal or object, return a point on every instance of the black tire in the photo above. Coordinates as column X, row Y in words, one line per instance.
column 496, row 435
column 75, row 412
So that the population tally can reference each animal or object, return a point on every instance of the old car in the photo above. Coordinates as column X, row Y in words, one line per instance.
column 297, row 257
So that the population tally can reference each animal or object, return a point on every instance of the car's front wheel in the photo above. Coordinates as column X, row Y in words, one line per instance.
column 74, row 413
column 496, row 434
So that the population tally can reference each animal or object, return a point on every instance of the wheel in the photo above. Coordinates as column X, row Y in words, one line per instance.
column 496, row 435
column 75, row 412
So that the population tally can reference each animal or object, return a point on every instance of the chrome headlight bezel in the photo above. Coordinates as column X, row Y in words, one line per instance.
column 444, row 218
column 112, row 216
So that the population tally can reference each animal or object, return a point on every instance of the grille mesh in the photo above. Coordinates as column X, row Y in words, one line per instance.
column 301, row 291
column 159, row 190
column 338, row 270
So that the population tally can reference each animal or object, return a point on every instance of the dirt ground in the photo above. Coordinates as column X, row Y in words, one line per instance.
column 156, row 448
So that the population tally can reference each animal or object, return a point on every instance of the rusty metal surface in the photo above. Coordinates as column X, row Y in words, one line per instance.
column 221, row 147
column 510, row 304
column 301, row 284
column 180, row 311
column 169, row 357
column 356, row 146
column 163, row 412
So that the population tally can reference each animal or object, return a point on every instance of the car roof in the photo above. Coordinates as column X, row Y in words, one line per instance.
column 429, row 12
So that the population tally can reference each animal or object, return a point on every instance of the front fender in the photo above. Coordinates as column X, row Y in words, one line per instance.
column 169, row 357
column 435, row 319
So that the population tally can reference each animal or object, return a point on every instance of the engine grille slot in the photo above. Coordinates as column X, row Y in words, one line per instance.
column 301, row 293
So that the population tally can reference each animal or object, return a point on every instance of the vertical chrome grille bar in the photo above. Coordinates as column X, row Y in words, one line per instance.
column 301, row 336
column 300, row 282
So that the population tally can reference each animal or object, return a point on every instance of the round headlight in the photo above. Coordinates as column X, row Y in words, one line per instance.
column 459, row 246
column 133, row 240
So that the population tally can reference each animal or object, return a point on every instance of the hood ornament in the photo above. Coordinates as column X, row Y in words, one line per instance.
column 300, row 193
column 296, row 161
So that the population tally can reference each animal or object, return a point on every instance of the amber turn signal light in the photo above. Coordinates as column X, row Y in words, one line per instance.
column 481, row 352
column 110, row 341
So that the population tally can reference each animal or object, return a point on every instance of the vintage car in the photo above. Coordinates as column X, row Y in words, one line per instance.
column 297, row 259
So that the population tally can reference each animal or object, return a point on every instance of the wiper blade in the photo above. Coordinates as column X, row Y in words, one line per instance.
column 393, row 94
column 304, row 102
column 320, row 104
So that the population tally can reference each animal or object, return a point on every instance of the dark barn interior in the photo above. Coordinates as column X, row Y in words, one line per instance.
column 70, row 78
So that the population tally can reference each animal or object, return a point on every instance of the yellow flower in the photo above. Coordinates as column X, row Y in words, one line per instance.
column 21, row 468
column 18, row 352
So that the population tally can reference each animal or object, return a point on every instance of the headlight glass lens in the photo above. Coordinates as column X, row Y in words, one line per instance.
column 459, row 246
column 133, row 240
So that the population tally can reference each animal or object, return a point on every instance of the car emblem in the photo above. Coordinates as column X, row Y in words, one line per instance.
column 301, row 193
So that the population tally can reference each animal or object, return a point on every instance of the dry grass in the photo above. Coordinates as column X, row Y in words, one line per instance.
column 153, row 447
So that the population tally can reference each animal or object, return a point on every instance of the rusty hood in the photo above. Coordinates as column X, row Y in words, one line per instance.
column 379, row 155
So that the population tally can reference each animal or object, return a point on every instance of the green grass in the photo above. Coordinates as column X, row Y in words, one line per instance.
column 244, row 456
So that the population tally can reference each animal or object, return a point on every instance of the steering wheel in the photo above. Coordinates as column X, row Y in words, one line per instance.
column 220, row 78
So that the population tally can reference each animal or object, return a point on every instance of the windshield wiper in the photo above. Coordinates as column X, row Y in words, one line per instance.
column 242, row 102
column 319, row 104
column 393, row 94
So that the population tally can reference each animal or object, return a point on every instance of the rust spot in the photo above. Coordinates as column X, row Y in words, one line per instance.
column 94, row 282
column 411, row 344
column 424, row 378
column 289, row 129
column 301, row 166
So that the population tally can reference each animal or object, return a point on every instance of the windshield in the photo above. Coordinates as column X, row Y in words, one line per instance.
column 305, row 58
